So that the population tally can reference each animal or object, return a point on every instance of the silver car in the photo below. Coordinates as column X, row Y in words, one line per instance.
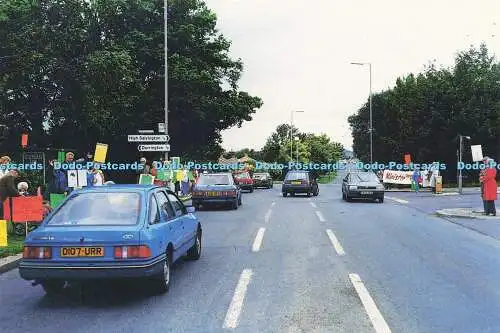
column 362, row 185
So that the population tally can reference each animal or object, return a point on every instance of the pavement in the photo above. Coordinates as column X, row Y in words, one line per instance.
column 296, row 264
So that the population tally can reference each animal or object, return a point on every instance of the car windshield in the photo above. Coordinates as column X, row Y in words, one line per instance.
column 296, row 176
column 366, row 177
column 214, row 180
column 110, row 208
column 242, row 175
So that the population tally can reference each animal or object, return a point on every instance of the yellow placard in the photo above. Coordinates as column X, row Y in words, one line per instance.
column 3, row 233
column 101, row 150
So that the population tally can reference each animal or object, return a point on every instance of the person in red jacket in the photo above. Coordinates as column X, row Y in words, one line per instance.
column 489, row 180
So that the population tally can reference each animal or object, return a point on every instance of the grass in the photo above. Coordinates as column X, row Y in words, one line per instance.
column 14, row 246
column 328, row 178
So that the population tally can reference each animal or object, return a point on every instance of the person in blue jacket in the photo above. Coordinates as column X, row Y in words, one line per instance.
column 416, row 178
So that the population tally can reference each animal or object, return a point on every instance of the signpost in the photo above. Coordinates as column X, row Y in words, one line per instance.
column 146, row 131
column 161, row 127
column 163, row 147
column 148, row 138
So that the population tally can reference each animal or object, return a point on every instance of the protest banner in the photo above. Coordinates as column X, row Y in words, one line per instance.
column 56, row 199
column 397, row 177
column 146, row 179
column 3, row 233
column 101, row 150
column 24, row 209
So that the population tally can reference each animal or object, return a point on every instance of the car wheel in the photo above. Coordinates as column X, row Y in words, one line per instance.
column 284, row 194
column 309, row 194
column 194, row 252
column 235, row 204
column 292, row 194
column 343, row 196
column 381, row 200
column 251, row 190
column 52, row 287
column 163, row 280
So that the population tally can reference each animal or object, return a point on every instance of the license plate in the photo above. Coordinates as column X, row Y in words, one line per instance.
column 212, row 194
column 82, row 252
column 366, row 193
column 296, row 183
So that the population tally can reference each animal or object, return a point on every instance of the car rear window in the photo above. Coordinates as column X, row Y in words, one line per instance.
column 242, row 175
column 206, row 179
column 260, row 175
column 111, row 208
column 297, row 176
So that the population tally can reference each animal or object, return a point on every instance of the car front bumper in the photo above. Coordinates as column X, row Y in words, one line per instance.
column 262, row 184
column 212, row 200
column 29, row 270
column 296, row 189
column 246, row 186
column 360, row 194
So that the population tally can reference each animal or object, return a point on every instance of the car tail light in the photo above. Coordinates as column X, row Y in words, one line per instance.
column 132, row 252
column 34, row 252
column 305, row 181
column 230, row 193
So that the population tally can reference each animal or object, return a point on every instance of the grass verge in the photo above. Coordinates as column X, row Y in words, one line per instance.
column 14, row 246
column 328, row 178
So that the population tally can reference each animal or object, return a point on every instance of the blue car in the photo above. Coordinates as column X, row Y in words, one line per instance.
column 112, row 232
column 216, row 189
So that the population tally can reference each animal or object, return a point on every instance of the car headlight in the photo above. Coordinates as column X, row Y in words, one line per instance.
column 380, row 187
column 352, row 187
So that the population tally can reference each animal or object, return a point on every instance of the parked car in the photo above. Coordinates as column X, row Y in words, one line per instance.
column 216, row 189
column 244, row 180
column 112, row 232
column 362, row 185
column 262, row 179
column 298, row 181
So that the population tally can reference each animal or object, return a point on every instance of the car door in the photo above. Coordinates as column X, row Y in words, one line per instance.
column 155, row 227
column 189, row 225
column 171, row 224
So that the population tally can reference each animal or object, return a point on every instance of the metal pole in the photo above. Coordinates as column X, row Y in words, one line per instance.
column 371, row 119
column 291, row 137
column 166, row 69
column 460, row 169
column 297, row 152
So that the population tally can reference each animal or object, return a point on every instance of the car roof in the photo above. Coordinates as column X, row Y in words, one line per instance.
column 216, row 173
column 121, row 188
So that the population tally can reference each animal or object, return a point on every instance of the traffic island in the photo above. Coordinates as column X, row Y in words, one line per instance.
column 467, row 213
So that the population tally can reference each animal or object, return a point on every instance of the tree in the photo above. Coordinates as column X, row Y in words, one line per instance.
column 73, row 73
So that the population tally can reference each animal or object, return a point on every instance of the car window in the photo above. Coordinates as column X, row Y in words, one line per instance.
column 222, row 179
column 297, row 176
column 109, row 208
column 154, row 213
column 177, row 204
column 164, row 204
column 367, row 177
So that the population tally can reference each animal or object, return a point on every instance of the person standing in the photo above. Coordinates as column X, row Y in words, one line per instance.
column 8, row 188
column 416, row 178
column 4, row 162
column 490, row 187
column 144, row 169
column 482, row 174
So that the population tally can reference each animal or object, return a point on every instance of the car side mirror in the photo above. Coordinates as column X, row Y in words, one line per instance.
column 190, row 209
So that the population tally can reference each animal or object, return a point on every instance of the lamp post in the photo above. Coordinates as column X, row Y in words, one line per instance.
column 291, row 132
column 371, row 113
column 297, row 145
column 460, row 150
column 165, row 6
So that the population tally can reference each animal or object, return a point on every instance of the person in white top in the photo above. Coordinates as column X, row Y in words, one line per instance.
column 4, row 160
column 98, row 178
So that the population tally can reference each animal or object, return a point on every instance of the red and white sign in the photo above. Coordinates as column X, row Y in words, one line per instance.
column 397, row 177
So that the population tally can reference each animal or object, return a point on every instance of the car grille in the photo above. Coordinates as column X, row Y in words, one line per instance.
column 367, row 187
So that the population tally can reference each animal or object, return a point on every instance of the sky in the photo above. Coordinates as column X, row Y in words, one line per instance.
column 297, row 54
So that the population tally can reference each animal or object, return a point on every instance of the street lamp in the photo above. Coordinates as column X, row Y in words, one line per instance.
column 297, row 139
column 291, row 132
column 165, row 29
column 460, row 150
column 371, row 127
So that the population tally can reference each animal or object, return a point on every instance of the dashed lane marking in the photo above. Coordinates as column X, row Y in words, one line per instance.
column 234, row 311
column 373, row 312
column 313, row 204
column 258, row 240
column 335, row 242
column 320, row 216
column 397, row 200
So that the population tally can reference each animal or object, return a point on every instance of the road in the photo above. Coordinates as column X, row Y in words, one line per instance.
column 294, row 265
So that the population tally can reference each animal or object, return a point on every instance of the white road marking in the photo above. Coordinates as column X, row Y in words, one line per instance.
column 397, row 200
column 335, row 242
column 234, row 311
column 373, row 312
column 268, row 215
column 274, row 203
column 258, row 240
column 320, row 216
column 313, row 204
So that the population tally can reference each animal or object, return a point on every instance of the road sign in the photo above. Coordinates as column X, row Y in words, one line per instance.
column 148, row 138
column 146, row 132
column 154, row 147
column 161, row 127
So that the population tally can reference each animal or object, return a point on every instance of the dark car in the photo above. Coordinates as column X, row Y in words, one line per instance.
column 262, row 179
column 300, row 182
column 216, row 189
column 362, row 185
